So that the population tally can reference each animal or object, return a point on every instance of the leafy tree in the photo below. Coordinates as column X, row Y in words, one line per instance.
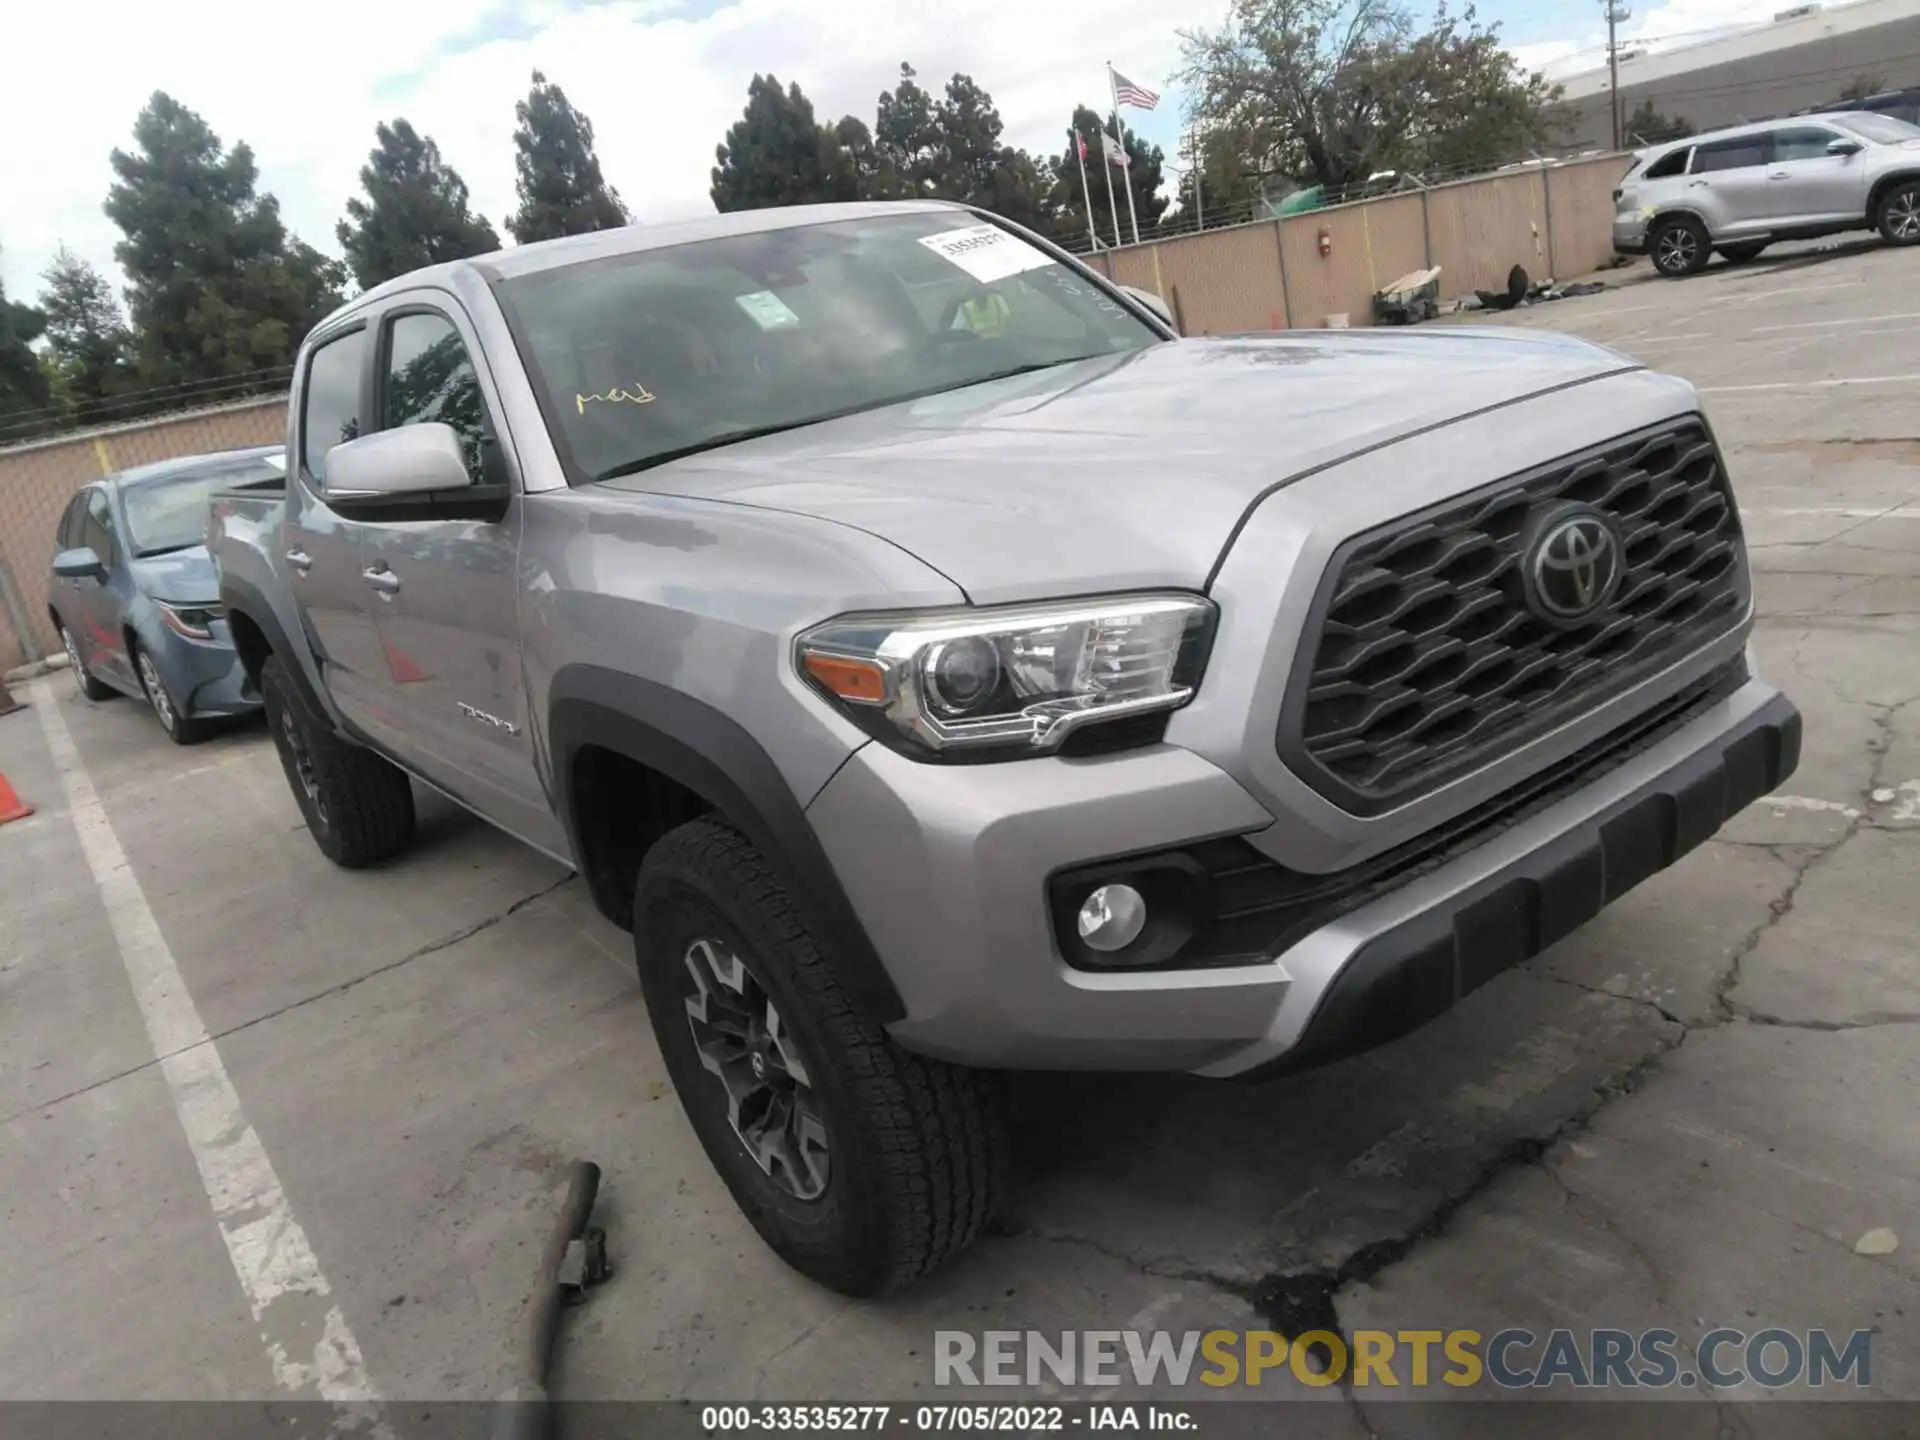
column 1864, row 85
column 26, row 393
column 1332, row 90
column 1229, row 184
column 218, row 287
column 775, row 154
column 1647, row 126
column 88, row 342
column 1143, row 173
column 908, row 138
column 857, row 170
column 557, row 174
column 415, row 213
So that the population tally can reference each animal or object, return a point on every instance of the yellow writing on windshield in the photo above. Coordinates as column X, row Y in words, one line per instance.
column 639, row 395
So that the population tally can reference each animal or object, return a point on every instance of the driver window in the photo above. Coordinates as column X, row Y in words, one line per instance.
column 430, row 377
column 98, row 532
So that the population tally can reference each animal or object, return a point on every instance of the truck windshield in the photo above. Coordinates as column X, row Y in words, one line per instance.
column 642, row 358
column 170, row 512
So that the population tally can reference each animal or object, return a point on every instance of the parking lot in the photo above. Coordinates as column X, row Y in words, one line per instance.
column 1685, row 1115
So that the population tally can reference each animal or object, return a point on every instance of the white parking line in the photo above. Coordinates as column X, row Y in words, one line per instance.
column 1832, row 512
column 1809, row 384
column 1829, row 324
column 312, row 1349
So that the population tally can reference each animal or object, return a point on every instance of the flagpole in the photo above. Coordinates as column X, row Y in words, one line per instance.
column 1106, row 164
column 1120, row 133
column 1086, row 192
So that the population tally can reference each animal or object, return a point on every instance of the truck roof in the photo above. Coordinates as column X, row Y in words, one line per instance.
column 632, row 239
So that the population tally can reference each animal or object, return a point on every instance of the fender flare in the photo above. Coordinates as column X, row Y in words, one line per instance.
column 712, row 755
column 237, row 597
column 1884, row 184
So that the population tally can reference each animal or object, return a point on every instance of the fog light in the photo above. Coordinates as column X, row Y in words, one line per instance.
column 1112, row 917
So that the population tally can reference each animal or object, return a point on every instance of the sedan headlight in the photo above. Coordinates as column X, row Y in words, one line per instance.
column 193, row 621
column 1017, row 679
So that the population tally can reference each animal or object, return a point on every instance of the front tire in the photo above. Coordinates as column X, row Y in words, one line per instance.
column 1897, row 216
column 358, row 807
column 180, row 729
column 863, row 1166
column 1680, row 247
column 91, row 688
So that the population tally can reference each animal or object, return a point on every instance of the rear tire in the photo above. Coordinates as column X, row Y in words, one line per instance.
column 91, row 688
column 1741, row 254
column 871, row 1165
column 358, row 807
column 180, row 729
column 1679, row 246
column 1897, row 216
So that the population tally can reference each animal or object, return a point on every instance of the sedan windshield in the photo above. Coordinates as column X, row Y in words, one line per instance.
column 170, row 512
column 646, row 357
column 1886, row 129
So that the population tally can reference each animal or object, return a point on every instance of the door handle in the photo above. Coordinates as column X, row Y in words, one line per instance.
column 1696, row 184
column 299, row 559
column 1779, row 175
column 385, row 581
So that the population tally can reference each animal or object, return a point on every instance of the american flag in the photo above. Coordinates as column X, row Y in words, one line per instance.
column 1125, row 92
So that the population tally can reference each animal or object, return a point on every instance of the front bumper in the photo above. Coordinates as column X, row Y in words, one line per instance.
column 947, row 866
column 205, row 677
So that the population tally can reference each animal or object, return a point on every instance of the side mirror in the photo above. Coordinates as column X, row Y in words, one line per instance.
column 79, row 564
column 409, row 461
column 1844, row 147
column 1153, row 302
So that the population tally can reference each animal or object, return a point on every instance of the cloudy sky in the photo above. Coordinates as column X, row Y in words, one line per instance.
column 661, row 80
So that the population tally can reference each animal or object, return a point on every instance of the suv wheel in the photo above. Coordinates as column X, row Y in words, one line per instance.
column 861, row 1165
column 89, row 687
column 1741, row 254
column 1898, row 216
column 1680, row 247
column 180, row 729
column 358, row 807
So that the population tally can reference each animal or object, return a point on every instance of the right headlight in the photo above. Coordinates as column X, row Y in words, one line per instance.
column 1013, row 679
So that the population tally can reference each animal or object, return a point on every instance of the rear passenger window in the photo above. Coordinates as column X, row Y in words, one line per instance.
column 1730, row 154
column 330, row 402
column 1668, row 165
column 429, row 377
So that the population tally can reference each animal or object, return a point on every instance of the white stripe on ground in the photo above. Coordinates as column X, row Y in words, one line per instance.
column 1810, row 384
column 311, row 1348
column 1830, row 324
column 1830, row 512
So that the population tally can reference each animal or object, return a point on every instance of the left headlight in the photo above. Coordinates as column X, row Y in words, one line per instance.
column 1017, row 679
column 193, row 621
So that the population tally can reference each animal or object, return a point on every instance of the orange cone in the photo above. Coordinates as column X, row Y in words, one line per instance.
column 12, row 807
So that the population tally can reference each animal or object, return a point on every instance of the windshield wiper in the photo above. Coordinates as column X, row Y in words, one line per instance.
column 757, row 432
column 167, row 549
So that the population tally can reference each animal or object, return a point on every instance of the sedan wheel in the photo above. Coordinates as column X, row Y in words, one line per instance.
column 89, row 687
column 180, row 730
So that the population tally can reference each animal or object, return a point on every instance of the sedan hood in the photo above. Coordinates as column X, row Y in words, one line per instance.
column 1124, row 471
column 185, row 576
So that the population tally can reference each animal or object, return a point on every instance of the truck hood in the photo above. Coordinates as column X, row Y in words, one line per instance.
column 185, row 576
column 1131, row 470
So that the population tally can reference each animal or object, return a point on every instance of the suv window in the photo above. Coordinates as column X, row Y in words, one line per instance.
column 330, row 401
column 1671, row 164
column 1802, row 142
column 97, row 529
column 1730, row 154
column 429, row 376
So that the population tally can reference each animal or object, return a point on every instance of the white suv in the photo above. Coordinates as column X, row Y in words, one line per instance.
column 1739, row 190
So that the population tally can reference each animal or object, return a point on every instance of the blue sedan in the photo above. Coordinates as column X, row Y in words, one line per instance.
column 135, row 595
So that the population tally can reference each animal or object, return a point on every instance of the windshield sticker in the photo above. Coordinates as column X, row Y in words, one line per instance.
column 767, row 310
column 986, row 252
column 639, row 395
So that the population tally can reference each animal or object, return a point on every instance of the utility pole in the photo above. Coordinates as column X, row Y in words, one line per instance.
column 1616, row 14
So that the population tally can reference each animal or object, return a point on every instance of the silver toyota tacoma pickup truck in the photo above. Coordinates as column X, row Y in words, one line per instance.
column 940, row 666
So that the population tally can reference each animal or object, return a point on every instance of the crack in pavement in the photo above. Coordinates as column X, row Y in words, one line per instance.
column 432, row 947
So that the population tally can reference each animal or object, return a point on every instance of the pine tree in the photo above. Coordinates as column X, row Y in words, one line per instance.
column 26, row 393
column 557, row 175
column 415, row 213
column 88, row 342
column 218, row 287
column 775, row 154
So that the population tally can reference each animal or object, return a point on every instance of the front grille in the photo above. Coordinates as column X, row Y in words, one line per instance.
column 1427, row 658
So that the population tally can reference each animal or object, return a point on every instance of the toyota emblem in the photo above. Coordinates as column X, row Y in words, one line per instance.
column 1573, row 564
